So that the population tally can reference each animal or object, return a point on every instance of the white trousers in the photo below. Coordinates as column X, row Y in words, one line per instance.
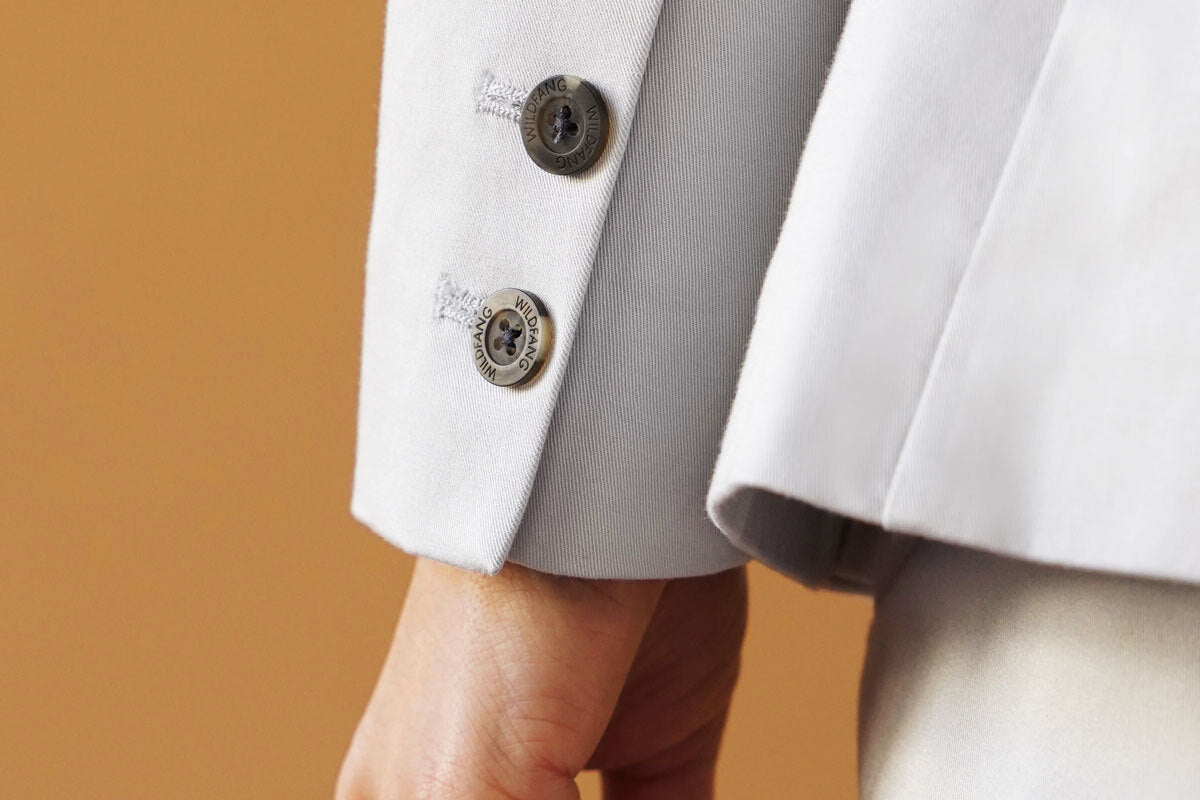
column 988, row 677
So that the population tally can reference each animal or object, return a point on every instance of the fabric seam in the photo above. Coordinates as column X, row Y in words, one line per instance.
column 972, row 261
column 604, row 218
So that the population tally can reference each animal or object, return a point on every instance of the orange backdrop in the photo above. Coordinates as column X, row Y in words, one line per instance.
column 187, row 609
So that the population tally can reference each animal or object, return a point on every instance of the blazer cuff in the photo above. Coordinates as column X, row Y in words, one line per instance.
column 445, row 459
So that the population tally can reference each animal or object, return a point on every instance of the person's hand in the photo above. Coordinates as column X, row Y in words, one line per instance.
column 509, row 686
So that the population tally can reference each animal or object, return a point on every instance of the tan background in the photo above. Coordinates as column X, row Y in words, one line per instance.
column 187, row 609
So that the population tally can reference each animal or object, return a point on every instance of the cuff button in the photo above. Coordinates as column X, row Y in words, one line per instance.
column 510, row 337
column 564, row 124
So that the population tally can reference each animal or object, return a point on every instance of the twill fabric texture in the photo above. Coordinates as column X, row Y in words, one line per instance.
column 695, row 213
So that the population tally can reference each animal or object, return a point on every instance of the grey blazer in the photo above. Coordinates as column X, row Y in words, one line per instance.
column 832, row 280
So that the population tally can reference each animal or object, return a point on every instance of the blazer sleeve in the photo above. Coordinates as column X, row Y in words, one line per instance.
column 649, row 265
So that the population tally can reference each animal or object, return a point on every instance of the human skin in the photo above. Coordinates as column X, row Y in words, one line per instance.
column 508, row 686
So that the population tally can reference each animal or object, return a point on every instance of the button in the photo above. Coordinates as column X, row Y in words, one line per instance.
column 564, row 124
column 511, row 337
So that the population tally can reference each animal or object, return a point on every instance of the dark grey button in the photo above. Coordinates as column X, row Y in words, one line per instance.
column 511, row 337
column 564, row 124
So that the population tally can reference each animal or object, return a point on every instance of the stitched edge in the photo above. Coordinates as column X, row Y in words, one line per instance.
column 500, row 98
column 451, row 301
